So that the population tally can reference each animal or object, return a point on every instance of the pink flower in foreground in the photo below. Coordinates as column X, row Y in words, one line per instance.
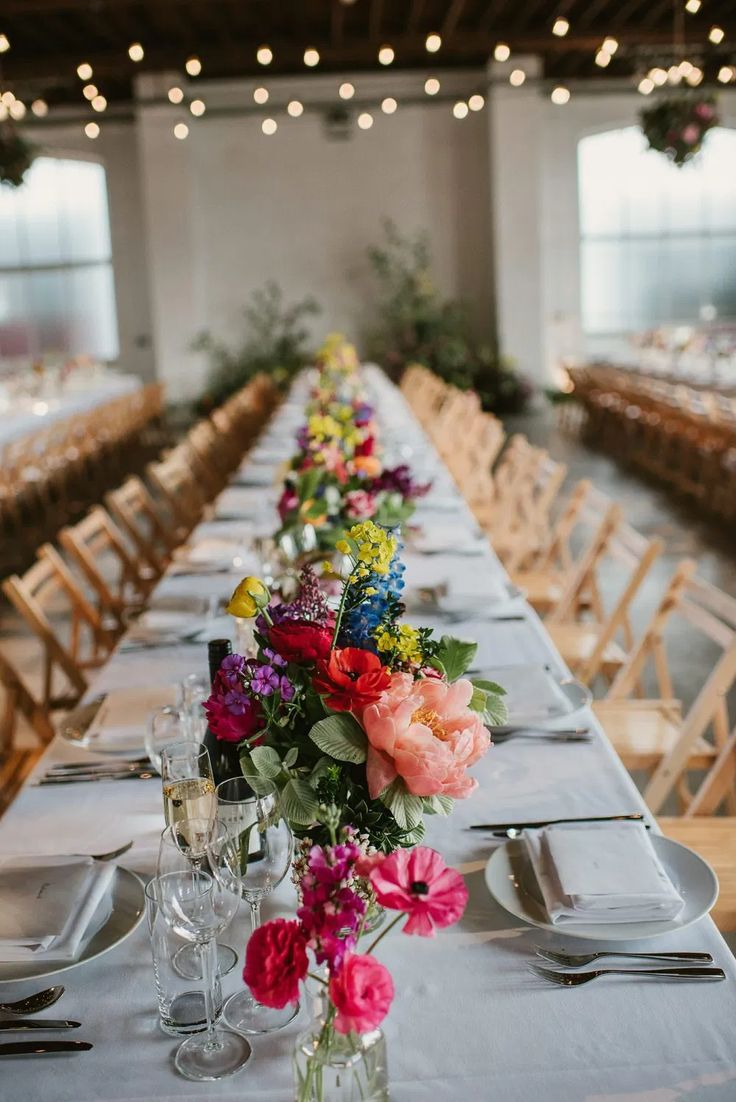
column 419, row 882
column 276, row 962
column 424, row 732
column 360, row 504
column 362, row 992
column 691, row 133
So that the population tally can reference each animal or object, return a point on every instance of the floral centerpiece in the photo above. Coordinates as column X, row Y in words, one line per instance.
column 677, row 124
column 342, row 1055
column 349, row 706
column 336, row 476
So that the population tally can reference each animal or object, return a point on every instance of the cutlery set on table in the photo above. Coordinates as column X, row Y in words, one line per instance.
column 15, row 1018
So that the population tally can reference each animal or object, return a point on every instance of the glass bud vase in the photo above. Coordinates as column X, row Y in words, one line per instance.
column 333, row 1067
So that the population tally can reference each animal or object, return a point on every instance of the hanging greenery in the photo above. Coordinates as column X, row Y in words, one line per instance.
column 16, row 155
column 677, row 124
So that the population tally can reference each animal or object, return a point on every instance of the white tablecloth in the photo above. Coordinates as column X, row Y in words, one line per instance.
column 469, row 1021
column 25, row 418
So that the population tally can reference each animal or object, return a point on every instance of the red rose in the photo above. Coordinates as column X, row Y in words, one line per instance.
column 366, row 447
column 362, row 992
column 297, row 641
column 276, row 962
column 351, row 679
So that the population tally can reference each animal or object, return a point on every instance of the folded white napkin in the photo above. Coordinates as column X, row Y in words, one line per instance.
column 47, row 903
column 124, row 714
column 601, row 872
column 215, row 551
column 533, row 693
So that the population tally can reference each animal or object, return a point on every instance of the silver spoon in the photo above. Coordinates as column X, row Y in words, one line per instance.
column 577, row 960
column 32, row 1004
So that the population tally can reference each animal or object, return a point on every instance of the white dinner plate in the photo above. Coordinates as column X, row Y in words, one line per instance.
column 127, row 908
column 511, row 881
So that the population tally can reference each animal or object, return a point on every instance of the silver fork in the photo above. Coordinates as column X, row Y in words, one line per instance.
column 577, row 979
column 578, row 960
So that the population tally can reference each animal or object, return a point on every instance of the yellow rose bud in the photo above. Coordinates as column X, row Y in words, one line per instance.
column 250, row 596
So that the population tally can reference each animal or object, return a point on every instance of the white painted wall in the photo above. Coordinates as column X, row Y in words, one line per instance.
column 230, row 208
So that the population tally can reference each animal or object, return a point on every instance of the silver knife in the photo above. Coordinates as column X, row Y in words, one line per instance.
column 85, row 778
column 66, row 769
column 42, row 1048
column 511, row 830
column 24, row 1024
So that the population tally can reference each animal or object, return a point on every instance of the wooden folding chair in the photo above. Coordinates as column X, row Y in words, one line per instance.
column 528, row 529
column 600, row 646
column 17, row 762
column 174, row 483
column 95, row 544
column 153, row 535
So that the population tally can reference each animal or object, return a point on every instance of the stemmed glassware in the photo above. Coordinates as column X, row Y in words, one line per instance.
column 197, row 906
column 166, row 725
column 190, row 807
column 195, row 689
column 252, row 860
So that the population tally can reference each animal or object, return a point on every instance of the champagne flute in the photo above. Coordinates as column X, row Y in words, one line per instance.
column 252, row 859
column 197, row 907
column 189, row 788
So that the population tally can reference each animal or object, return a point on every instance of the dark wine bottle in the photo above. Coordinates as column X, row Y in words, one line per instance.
column 224, row 756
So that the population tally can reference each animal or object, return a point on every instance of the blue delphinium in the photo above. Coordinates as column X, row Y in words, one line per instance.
column 360, row 623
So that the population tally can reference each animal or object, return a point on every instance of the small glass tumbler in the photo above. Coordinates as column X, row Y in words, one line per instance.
column 181, row 1008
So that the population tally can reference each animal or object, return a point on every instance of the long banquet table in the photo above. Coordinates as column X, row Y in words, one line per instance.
column 469, row 1020
column 24, row 418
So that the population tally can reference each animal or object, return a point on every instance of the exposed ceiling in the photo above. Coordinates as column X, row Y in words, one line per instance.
column 49, row 38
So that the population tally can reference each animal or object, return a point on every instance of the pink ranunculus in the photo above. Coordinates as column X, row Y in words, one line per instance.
column 424, row 732
column 704, row 111
column 362, row 992
column 419, row 882
column 691, row 133
column 360, row 504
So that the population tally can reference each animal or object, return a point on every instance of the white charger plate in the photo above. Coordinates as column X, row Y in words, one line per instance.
column 127, row 908
column 511, row 881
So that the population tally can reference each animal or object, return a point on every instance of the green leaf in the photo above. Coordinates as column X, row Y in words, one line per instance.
column 438, row 805
column 478, row 700
column 341, row 736
column 489, row 686
column 496, row 711
column 266, row 761
column 455, row 655
column 406, row 809
column 413, row 837
column 299, row 802
column 260, row 785
column 291, row 757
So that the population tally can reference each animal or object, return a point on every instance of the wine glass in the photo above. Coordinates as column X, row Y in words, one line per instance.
column 166, row 725
column 197, row 907
column 190, row 806
column 252, row 859
column 195, row 689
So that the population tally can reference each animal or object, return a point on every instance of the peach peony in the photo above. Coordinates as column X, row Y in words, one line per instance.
column 424, row 732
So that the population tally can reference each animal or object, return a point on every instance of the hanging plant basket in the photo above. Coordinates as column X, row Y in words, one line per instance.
column 677, row 124
column 16, row 155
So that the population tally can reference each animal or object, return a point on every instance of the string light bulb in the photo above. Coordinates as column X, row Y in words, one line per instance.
column 389, row 105
column 659, row 76
column 646, row 86
column 84, row 71
column 17, row 110
column 181, row 131
column 502, row 52
column 92, row 130
column 692, row 6
column 295, row 108
column 365, row 120
column 726, row 74
column 264, row 55
column 175, row 94
column 4, row 43
column 431, row 86
column 269, row 126
column 136, row 51
column 7, row 98
column 198, row 108
column 560, row 27
column 685, row 67
column 716, row 35
column 695, row 77
column 517, row 77
column 386, row 55
column 260, row 95
column 193, row 66
column 311, row 57
column 432, row 43
column 610, row 45
column 602, row 58
column 99, row 103
column 476, row 102
column 460, row 109
column 90, row 91
column 560, row 95
column 40, row 108
column 346, row 90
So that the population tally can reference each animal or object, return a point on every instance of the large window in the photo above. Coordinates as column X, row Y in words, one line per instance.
column 658, row 243
column 56, row 283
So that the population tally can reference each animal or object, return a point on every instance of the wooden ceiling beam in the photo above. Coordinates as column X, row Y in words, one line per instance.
column 415, row 14
column 452, row 18
column 375, row 16
column 337, row 23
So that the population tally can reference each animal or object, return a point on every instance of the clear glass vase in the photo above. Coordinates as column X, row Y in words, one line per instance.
column 332, row 1067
